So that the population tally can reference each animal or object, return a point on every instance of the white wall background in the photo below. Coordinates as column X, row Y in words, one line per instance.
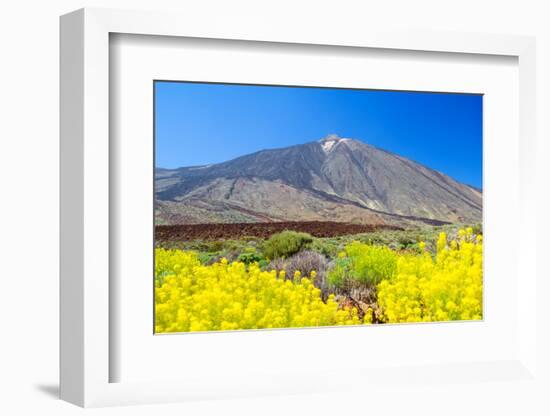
column 29, row 183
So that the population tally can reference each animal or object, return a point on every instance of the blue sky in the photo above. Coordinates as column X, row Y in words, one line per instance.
column 199, row 124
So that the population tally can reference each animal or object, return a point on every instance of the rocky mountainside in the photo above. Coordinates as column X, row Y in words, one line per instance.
column 334, row 179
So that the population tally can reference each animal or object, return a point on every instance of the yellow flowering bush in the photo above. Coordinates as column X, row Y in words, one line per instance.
column 190, row 296
column 441, row 288
column 363, row 263
column 368, row 283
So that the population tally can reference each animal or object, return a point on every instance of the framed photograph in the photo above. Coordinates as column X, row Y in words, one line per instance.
column 259, row 228
column 283, row 212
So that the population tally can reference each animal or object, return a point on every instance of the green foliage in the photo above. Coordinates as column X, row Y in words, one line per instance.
column 339, row 274
column 209, row 246
column 250, row 255
column 407, row 241
column 285, row 244
column 477, row 229
column 371, row 264
column 205, row 258
column 364, row 264
column 374, row 239
column 326, row 247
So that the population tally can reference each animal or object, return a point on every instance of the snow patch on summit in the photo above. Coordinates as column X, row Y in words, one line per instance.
column 328, row 145
column 330, row 141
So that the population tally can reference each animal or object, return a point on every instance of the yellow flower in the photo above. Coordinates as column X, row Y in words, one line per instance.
column 190, row 296
column 447, row 287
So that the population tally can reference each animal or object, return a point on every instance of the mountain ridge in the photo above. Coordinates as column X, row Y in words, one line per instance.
column 332, row 178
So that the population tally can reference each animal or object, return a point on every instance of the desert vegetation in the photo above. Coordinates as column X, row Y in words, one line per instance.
column 292, row 278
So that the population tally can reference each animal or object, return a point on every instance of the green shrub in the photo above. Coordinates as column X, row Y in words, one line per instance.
column 406, row 241
column 205, row 258
column 364, row 264
column 285, row 244
column 327, row 248
column 371, row 264
column 477, row 229
column 374, row 239
column 250, row 255
column 340, row 273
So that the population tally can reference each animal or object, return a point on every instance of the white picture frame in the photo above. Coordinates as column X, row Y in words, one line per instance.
column 86, row 356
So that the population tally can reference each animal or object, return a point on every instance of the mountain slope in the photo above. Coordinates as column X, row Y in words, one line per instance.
column 332, row 179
